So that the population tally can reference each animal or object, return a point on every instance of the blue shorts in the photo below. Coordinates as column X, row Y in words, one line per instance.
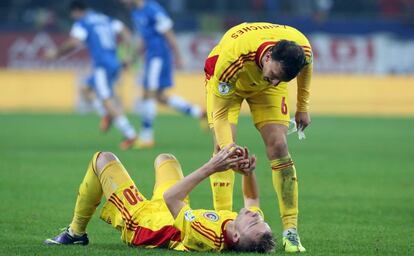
column 102, row 81
column 158, row 73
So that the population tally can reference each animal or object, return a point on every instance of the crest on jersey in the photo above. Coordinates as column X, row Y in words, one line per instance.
column 223, row 88
column 211, row 216
column 189, row 216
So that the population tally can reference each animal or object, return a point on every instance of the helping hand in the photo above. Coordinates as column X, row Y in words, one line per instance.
column 227, row 158
column 246, row 166
column 302, row 120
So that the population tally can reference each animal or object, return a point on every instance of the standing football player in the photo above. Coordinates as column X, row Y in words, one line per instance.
column 99, row 32
column 255, row 62
column 155, row 28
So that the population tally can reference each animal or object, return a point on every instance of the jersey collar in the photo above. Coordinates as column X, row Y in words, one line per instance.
column 261, row 50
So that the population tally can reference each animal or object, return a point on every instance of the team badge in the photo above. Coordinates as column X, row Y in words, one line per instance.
column 211, row 216
column 189, row 216
column 223, row 88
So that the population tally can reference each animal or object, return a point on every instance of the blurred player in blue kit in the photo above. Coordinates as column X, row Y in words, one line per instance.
column 155, row 28
column 98, row 33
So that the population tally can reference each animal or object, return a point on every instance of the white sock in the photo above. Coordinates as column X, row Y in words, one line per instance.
column 72, row 234
column 122, row 124
column 99, row 107
column 146, row 135
column 183, row 106
column 148, row 113
column 291, row 230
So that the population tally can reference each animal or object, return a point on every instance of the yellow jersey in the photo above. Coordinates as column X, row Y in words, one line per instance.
column 204, row 230
column 235, row 66
column 149, row 223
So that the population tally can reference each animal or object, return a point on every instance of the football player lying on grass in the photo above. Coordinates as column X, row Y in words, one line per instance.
column 167, row 220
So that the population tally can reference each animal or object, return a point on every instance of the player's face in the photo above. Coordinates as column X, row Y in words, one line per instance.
column 76, row 14
column 251, row 224
column 128, row 3
column 132, row 3
column 272, row 70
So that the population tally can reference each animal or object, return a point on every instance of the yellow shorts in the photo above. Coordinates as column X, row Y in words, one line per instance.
column 267, row 106
column 121, row 209
column 128, row 210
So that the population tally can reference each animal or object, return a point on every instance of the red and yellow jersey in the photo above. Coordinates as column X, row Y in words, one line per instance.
column 235, row 66
column 204, row 230
column 149, row 224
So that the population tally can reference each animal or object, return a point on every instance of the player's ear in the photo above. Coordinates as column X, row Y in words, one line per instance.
column 236, row 237
column 268, row 57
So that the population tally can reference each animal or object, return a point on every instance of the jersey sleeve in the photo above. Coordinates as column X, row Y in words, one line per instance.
column 221, row 95
column 226, row 68
column 196, row 235
column 184, row 219
column 304, row 80
column 79, row 32
column 117, row 26
column 163, row 23
column 222, row 128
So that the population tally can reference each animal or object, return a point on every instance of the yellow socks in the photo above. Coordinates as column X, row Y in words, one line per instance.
column 286, row 186
column 167, row 174
column 222, row 186
column 89, row 197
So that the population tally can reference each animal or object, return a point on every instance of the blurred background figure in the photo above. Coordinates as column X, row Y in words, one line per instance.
column 98, row 32
column 155, row 27
column 372, row 38
column 358, row 151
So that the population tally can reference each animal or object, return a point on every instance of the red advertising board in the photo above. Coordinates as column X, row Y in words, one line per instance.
column 25, row 51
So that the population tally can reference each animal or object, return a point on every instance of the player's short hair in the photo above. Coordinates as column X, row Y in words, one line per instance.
column 265, row 244
column 291, row 57
column 77, row 5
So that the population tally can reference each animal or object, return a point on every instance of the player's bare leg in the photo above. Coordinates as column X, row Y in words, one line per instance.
column 179, row 104
column 222, row 183
column 148, row 113
column 284, row 182
column 89, row 95
column 121, row 123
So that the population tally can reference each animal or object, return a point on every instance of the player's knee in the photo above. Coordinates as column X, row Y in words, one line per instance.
column 277, row 149
column 103, row 159
column 162, row 158
column 161, row 97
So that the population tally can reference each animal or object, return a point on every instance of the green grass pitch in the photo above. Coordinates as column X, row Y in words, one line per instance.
column 356, row 180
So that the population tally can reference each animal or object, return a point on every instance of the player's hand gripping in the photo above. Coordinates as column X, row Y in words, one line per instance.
column 232, row 157
column 302, row 120
column 247, row 165
column 227, row 158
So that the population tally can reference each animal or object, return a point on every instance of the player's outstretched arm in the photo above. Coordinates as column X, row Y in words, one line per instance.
column 222, row 127
column 249, row 183
column 67, row 47
column 172, row 41
column 304, row 78
column 225, row 159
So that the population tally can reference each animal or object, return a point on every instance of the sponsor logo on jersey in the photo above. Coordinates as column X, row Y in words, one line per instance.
column 189, row 216
column 211, row 216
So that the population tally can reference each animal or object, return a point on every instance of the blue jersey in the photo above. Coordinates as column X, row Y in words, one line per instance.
column 98, row 32
column 151, row 21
